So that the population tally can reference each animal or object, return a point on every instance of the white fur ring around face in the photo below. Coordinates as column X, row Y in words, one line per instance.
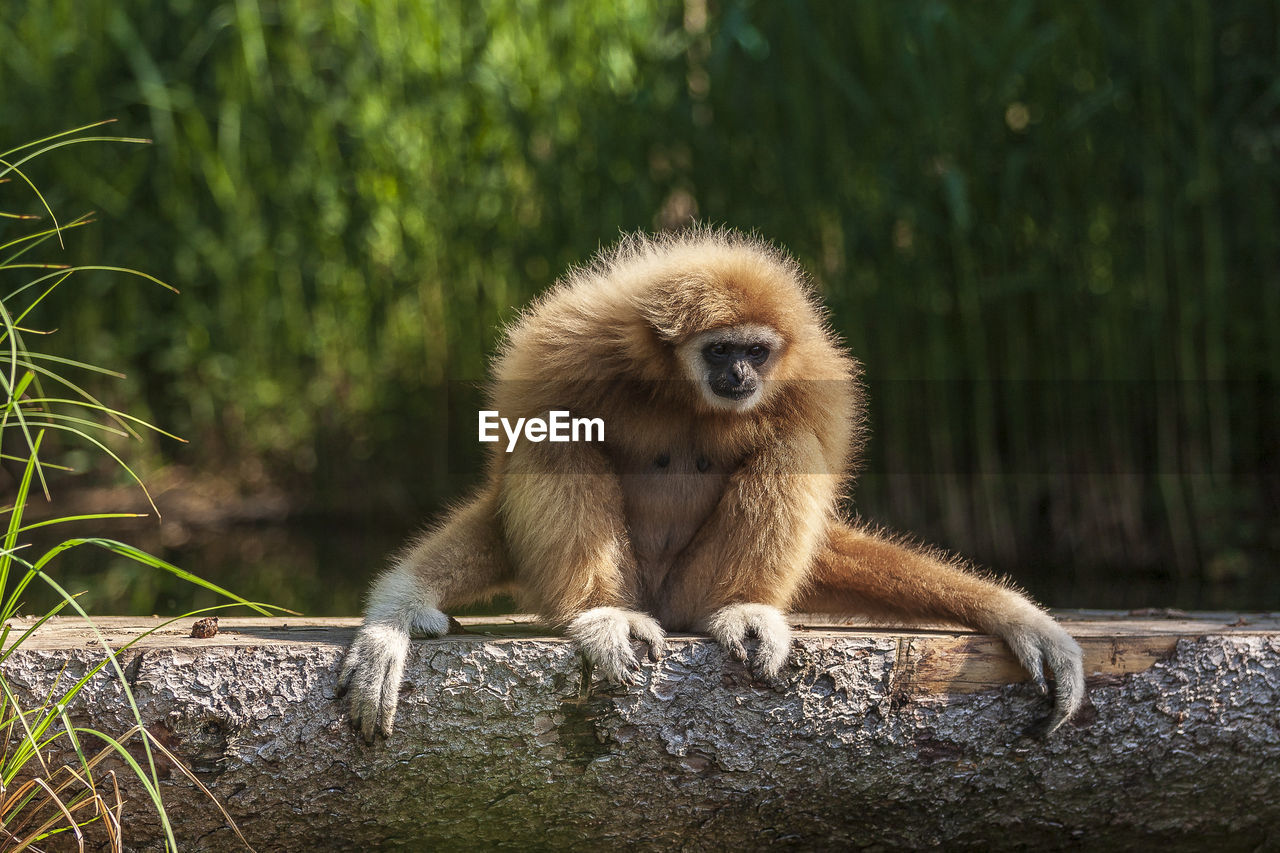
column 730, row 626
column 603, row 635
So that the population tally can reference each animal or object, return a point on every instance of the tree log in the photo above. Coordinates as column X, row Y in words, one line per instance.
column 873, row 738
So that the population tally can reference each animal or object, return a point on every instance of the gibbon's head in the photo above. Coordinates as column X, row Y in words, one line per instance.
column 736, row 314
column 731, row 319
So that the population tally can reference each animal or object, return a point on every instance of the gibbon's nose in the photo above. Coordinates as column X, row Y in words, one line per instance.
column 740, row 371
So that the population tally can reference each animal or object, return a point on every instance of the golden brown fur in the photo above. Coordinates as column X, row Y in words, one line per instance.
column 694, row 513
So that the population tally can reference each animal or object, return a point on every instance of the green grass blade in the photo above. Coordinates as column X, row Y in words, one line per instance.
column 73, row 388
column 13, row 164
column 5, row 651
column 55, row 419
column 19, row 389
column 17, row 321
column 53, row 465
column 89, row 268
column 106, row 410
column 80, row 365
column 15, row 518
column 9, row 382
column 27, row 242
column 106, row 450
column 58, row 135
column 10, row 167
column 142, row 557
column 65, row 519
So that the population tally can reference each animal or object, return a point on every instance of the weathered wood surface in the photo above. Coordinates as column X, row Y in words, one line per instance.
column 874, row 738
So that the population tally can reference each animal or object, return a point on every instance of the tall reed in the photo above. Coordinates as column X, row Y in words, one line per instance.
column 57, row 778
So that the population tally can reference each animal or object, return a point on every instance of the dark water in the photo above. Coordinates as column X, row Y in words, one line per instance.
column 316, row 568
column 323, row 568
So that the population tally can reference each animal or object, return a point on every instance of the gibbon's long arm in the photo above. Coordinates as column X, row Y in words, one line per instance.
column 745, row 563
column 460, row 560
column 563, row 515
column 858, row 572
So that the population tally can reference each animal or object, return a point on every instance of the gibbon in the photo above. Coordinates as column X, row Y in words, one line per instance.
column 733, row 419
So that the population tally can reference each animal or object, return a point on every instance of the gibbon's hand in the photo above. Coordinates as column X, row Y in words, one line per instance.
column 1039, row 642
column 603, row 635
column 374, row 667
column 731, row 625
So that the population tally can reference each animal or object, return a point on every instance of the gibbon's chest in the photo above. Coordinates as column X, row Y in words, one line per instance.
column 668, row 493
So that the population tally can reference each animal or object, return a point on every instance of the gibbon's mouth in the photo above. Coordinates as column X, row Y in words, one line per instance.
column 738, row 393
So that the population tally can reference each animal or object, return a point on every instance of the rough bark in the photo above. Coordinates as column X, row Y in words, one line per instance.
column 873, row 739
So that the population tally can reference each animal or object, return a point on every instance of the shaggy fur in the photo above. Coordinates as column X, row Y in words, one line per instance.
column 693, row 514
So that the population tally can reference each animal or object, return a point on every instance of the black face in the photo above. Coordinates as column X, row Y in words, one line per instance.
column 734, row 367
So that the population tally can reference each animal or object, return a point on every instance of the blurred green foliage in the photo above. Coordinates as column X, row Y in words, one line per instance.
column 1048, row 229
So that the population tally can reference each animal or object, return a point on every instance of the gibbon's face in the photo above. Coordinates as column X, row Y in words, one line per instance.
column 730, row 365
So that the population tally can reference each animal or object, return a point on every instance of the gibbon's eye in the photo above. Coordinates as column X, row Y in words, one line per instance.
column 718, row 351
column 758, row 352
